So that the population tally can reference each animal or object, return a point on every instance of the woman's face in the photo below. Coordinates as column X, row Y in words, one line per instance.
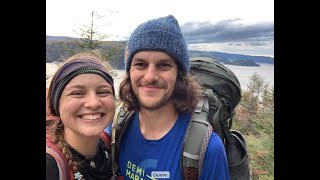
column 87, row 105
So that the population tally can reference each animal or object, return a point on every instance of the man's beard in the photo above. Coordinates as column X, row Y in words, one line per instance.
column 164, row 101
column 159, row 104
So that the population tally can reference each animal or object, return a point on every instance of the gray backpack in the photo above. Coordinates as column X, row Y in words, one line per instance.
column 214, row 112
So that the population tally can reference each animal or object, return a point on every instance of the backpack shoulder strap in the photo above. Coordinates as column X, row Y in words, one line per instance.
column 64, row 170
column 106, row 138
column 196, row 140
column 214, row 110
column 119, row 125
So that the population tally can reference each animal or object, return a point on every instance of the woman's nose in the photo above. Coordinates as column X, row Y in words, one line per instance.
column 92, row 101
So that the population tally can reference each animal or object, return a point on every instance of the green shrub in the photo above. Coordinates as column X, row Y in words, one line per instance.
column 260, row 143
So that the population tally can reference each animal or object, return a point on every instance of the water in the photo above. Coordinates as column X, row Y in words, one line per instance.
column 266, row 71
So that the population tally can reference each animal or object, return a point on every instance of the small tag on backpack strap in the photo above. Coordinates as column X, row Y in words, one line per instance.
column 199, row 105
column 203, row 104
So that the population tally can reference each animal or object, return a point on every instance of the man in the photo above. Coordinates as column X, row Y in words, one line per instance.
column 159, row 88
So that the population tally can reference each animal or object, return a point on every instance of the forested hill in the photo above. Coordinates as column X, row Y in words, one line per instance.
column 58, row 48
column 226, row 57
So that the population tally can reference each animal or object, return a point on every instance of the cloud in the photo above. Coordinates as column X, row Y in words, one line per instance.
column 229, row 31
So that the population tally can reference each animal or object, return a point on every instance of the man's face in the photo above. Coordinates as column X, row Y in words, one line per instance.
column 153, row 77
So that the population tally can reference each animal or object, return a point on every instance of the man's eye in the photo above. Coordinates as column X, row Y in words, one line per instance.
column 140, row 65
column 164, row 66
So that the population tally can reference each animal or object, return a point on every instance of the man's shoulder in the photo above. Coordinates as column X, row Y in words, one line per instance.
column 215, row 144
column 184, row 115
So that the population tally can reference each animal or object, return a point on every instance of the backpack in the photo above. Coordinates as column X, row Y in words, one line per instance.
column 222, row 95
column 65, row 173
column 213, row 112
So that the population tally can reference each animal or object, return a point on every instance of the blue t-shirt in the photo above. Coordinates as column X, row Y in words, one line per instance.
column 160, row 159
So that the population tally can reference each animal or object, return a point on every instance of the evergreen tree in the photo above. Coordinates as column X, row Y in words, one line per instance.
column 91, row 38
column 268, row 98
column 254, row 89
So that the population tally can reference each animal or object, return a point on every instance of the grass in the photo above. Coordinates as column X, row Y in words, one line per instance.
column 259, row 134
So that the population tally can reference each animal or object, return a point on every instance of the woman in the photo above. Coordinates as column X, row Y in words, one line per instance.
column 81, row 96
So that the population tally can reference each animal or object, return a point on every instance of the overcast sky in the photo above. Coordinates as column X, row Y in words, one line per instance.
column 231, row 26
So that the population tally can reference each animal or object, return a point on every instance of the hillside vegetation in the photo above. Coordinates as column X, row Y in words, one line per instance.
column 255, row 119
column 57, row 50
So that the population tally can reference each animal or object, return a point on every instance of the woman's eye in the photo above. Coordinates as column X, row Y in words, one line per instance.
column 104, row 92
column 76, row 93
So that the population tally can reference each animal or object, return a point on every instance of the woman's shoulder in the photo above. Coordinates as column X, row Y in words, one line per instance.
column 52, row 171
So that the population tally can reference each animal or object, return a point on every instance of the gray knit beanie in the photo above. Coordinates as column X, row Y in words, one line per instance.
column 161, row 34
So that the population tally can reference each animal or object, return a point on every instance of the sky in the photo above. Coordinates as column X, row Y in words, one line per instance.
column 230, row 26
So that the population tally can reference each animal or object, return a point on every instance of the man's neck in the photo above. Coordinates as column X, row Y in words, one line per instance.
column 154, row 124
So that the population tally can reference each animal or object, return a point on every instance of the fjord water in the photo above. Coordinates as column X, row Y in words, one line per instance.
column 266, row 71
